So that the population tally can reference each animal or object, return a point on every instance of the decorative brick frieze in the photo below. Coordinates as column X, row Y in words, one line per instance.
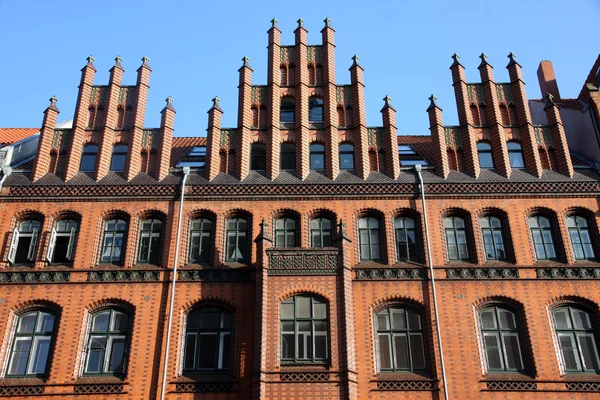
column 98, row 388
column 390, row 273
column 35, row 277
column 511, row 385
column 583, row 386
column 215, row 275
column 304, row 376
column 402, row 385
column 482, row 273
column 303, row 262
column 568, row 273
column 203, row 387
column 12, row 391
column 123, row 276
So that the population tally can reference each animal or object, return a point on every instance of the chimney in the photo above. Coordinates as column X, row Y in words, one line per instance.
column 547, row 80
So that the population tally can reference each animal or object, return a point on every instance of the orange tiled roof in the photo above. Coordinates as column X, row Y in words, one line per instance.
column 11, row 135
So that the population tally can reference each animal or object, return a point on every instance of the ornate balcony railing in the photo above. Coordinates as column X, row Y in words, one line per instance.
column 298, row 261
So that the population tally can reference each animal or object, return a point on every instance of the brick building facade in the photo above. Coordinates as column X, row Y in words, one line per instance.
column 303, row 249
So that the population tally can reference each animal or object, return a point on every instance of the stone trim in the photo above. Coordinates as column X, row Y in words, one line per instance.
column 568, row 273
column 365, row 274
column 35, row 277
column 123, row 276
column 482, row 273
column 215, row 275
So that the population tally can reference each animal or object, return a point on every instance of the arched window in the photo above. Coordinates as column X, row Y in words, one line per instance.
column 23, row 243
column 31, row 345
column 62, row 242
column 258, row 157
column 321, row 232
column 368, row 238
column 237, row 245
column 484, row 152
column 456, row 238
column 515, row 155
column 580, row 238
column 150, row 235
column 406, row 239
column 501, row 340
column 304, row 329
column 542, row 237
column 88, row 158
column 119, row 156
column 576, row 339
column 493, row 238
column 346, row 156
column 317, row 157
column 285, row 232
column 288, row 157
column 400, row 340
column 208, row 341
column 287, row 110
column 315, row 109
column 200, row 240
column 107, row 343
column 113, row 241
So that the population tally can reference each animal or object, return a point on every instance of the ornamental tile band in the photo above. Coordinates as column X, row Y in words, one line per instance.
column 482, row 273
column 405, row 385
column 390, row 273
column 303, row 262
column 123, row 276
column 568, row 273
column 216, row 275
column 35, row 277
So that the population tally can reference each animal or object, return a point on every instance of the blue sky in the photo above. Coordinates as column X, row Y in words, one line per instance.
column 195, row 50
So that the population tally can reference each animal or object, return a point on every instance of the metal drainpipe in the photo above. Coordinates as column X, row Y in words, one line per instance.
column 430, row 262
column 6, row 171
column 186, row 172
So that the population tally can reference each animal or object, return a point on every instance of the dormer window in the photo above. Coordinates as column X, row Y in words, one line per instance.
column 288, row 110
column 88, row 158
column 315, row 107
column 119, row 156
column 484, row 151
column 409, row 157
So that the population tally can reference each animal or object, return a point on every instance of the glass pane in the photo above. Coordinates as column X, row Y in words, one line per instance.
column 302, row 307
column 45, row 323
column 19, row 357
column 100, row 322
column 320, row 310
column 588, row 351
column 117, row 354
column 581, row 319
column 225, row 356
column 320, row 346
column 190, row 351
column 227, row 319
column 121, row 321
column 287, row 311
column 570, row 357
column 287, row 345
column 513, row 351
column 207, row 351
column 398, row 319
column 507, row 319
column 27, row 323
column 401, row 350
column 488, row 319
column 492, row 348
column 414, row 320
column 383, row 320
column 417, row 351
column 210, row 319
column 41, row 348
column 533, row 222
column 385, row 356
column 561, row 319
column 320, row 326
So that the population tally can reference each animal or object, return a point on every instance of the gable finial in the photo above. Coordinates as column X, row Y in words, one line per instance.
column 215, row 105
column 118, row 59
column 327, row 22
column 387, row 100
column 246, row 61
column 484, row 62
column 274, row 23
column 511, row 56
column 52, row 105
column 145, row 60
column 300, row 23
column 455, row 57
column 355, row 59
column 90, row 59
column 433, row 103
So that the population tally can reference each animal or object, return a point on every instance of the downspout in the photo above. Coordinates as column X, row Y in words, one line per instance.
column 430, row 262
column 6, row 171
column 186, row 172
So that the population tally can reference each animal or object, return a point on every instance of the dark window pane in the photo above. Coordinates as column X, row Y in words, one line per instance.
column 589, row 352
column 117, row 354
column 207, row 351
column 40, row 356
column 190, row 351
column 385, row 351
column 401, row 348
column 513, row 351
column 417, row 351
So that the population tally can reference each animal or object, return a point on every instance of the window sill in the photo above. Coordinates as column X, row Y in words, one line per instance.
column 403, row 382
column 22, row 381
column 507, row 376
column 100, row 379
column 315, row 366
